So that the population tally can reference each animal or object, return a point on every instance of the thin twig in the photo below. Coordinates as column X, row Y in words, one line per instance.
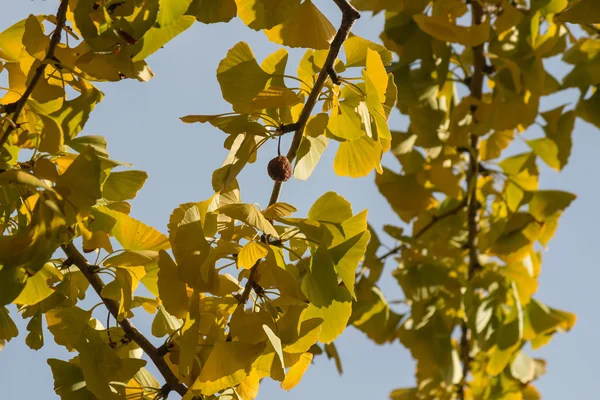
column 473, row 206
column 349, row 16
column 61, row 18
column 429, row 225
column 131, row 332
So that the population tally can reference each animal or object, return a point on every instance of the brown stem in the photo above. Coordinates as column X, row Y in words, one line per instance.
column 131, row 332
column 61, row 18
column 472, row 206
column 349, row 16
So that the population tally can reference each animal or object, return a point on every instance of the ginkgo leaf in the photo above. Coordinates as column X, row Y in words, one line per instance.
column 36, row 287
column 170, row 11
column 232, row 124
column 310, row 152
column 347, row 255
column 345, row 122
column 265, row 14
column 330, row 207
column 240, row 77
column 69, row 382
column 275, row 97
column 293, row 33
column 213, row 11
column 124, row 185
column 545, row 203
column 135, row 235
column 335, row 315
column 8, row 329
column 356, row 49
column 443, row 29
column 132, row 258
column 357, row 158
column 157, row 37
column 249, row 214
column 276, row 343
column 582, row 12
column 250, row 254
column 227, row 365
column 279, row 210
column 492, row 146
column 170, row 287
column 296, row 371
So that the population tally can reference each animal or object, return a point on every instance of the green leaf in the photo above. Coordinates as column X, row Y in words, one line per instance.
column 546, row 203
column 8, row 329
column 293, row 33
column 157, row 37
column 170, row 11
column 240, row 77
column 335, row 315
column 120, row 186
column 249, row 214
column 69, row 382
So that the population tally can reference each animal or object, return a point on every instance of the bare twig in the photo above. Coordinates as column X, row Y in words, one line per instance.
column 349, row 16
column 172, row 383
column 473, row 206
column 17, row 107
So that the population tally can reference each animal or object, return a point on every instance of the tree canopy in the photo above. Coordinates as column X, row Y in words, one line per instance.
column 240, row 292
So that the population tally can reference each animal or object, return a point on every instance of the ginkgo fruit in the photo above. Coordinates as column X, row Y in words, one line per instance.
column 280, row 169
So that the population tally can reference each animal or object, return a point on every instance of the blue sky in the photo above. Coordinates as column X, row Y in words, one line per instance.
column 141, row 124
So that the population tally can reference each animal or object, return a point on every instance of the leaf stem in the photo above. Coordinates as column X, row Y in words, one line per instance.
column 17, row 107
column 349, row 16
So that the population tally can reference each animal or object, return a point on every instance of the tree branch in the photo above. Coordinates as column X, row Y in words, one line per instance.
column 429, row 225
column 172, row 383
column 349, row 16
column 472, row 206
column 61, row 18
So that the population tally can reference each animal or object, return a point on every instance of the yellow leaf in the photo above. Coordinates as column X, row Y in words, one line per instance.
column 279, row 210
column 275, row 97
column 582, row 12
column 309, row 154
column 36, row 287
column 227, row 365
column 240, row 77
column 248, row 214
column 331, row 207
column 356, row 49
column 357, row 158
column 335, row 316
column 441, row 28
column 265, row 14
column 492, row 146
column 296, row 371
column 172, row 290
column 250, row 254
column 135, row 235
column 293, row 32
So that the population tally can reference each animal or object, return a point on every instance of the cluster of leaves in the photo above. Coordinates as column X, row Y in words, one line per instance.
column 241, row 293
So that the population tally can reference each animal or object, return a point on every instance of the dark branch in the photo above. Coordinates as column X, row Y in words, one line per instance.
column 172, row 383
column 473, row 205
column 349, row 16
column 61, row 18
column 429, row 225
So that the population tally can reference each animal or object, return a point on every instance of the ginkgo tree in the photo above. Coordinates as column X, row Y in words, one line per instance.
column 242, row 292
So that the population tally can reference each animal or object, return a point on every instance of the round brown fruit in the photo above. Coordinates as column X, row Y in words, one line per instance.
column 280, row 169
